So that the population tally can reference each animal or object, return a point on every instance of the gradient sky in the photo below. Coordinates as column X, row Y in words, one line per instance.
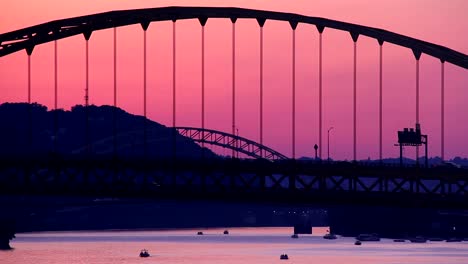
column 439, row 21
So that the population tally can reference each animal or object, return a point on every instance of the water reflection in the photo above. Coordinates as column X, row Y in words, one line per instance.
column 242, row 245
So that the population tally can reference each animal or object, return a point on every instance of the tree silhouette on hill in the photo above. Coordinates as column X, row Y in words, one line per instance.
column 17, row 135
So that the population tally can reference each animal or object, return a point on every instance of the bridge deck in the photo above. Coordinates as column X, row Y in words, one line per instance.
column 287, row 181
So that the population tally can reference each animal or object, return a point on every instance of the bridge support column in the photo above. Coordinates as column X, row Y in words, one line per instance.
column 87, row 140
column 417, row 106
column 261, row 23
column 233, row 20
column 293, row 26
column 29, row 138
column 87, row 36
column 354, row 36
column 145, row 185
column 55, row 97
column 145, row 121
column 114, row 117
column 320, row 30
column 174, row 132
column 380, row 100
column 204, row 162
column 417, row 55
column 203, row 21
column 442, row 111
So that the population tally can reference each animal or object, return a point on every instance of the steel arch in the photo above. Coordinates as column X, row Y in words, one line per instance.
column 27, row 38
column 226, row 140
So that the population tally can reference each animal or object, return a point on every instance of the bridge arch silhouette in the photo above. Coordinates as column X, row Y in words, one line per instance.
column 233, row 142
column 28, row 38
column 236, row 143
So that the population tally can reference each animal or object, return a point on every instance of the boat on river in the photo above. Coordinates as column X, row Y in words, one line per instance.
column 330, row 236
column 368, row 237
column 144, row 253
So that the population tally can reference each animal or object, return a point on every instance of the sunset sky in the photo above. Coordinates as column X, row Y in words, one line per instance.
column 442, row 22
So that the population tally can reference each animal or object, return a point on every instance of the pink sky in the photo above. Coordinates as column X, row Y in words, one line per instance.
column 441, row 22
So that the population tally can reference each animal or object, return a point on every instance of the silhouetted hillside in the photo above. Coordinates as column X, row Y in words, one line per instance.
column 71, row 136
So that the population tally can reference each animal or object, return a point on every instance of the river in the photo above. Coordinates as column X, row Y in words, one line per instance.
column 242, row 245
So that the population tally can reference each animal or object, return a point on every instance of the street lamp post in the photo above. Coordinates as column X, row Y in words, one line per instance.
column 316, row 148
column 329, row 143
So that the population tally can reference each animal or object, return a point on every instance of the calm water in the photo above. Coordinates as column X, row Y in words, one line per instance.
column 243, row 245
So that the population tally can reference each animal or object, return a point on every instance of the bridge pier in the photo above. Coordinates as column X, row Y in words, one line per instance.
column 303, row 224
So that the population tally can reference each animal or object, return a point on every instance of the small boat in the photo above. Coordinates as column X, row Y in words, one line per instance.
column 357, row 243
column 368, row 237
column 144, row 253
column 226, row 232
column 294, row 236
column 399, row 240
column 284, row 256
column 418, row 239
column 200, row 233
column 329, row 236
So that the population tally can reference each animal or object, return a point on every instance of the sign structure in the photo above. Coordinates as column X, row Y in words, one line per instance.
column 412, row 137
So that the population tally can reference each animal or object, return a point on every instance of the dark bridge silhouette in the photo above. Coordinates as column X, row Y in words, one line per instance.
column 285, row 179
column 236, row 143
column 233, row 142
column 29, row 37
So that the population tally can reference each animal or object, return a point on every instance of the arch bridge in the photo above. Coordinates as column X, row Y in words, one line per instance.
column 343, row 182
column 233, row 142
column 29, row 37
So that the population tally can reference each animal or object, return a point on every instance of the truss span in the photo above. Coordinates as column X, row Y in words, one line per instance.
column 225, row 140
column 28, row 38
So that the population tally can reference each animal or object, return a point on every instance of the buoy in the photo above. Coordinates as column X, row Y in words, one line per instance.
column 226, row 232
column 200, row 233
column 357, row 243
